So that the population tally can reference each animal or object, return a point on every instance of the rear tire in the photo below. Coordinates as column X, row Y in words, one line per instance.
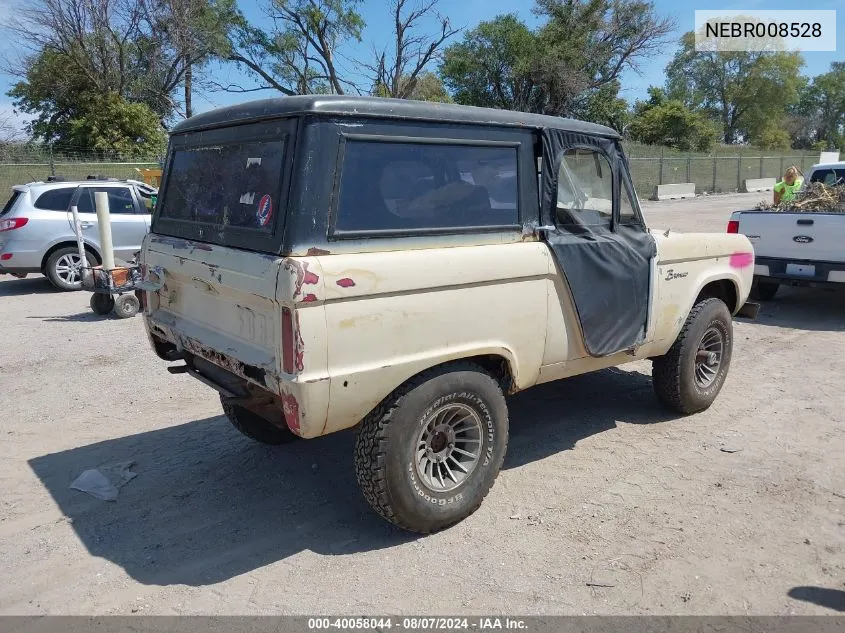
column 764, row 290
column 429, row 454
column 690, row 375
column 254, row 426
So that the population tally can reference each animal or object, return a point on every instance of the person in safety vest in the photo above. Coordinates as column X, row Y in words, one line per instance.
column 786, row 189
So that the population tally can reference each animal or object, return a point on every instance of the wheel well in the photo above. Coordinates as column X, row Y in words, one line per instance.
column 498, row 367
column 88, row 249
column 723, row 289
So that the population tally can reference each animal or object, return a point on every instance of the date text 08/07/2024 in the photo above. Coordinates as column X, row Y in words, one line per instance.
column 417, row 624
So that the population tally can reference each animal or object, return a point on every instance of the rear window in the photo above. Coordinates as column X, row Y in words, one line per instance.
column 829, row 177
column 396, row 186
column 227, row 185
column 10, row 202
column 55, row 199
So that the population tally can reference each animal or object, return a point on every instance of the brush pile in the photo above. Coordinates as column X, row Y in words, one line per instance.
column 816, row 196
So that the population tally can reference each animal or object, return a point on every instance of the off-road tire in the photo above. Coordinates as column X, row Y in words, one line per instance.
column 673, row 374
column 254, row 426
column 764, row 290
column 101, row 304
column 386, row 441
column 126, row 306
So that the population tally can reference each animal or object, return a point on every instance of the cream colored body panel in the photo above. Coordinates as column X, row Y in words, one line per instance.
column 365, row 323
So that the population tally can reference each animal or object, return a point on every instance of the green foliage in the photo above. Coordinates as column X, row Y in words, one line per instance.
column 822, row 107
column 773, row 136
column 669, row 122
column 110, row 123
column 743, row 91
column 606, row 107
column 491, row 66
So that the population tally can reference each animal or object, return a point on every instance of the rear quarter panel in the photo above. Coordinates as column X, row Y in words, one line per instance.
column 391, row 315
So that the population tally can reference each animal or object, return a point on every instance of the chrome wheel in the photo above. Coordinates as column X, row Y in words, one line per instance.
column 69, row 269
column 448, row 447
column 708, row 359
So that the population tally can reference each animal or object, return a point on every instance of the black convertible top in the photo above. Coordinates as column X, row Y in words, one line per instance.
column 339, row 105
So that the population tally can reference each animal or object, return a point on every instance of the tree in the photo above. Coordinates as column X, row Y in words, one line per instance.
column 426, row 87
column 606, row 107
column 299, row 54
column 822, row 108
column 564, row 68
column 669, row 122
column 395, row 73
column 587, row 44
column 191, row 32
column 109, row 123
column 69, row 112
column 744, row 91
column 491, row 67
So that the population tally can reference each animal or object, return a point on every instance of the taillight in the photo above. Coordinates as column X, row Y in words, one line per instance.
column 287, row 341
column 733, row 226
column 12, row 223
column 5, row 257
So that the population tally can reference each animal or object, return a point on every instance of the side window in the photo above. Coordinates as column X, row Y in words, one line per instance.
column 55, row 199
column 120, row 200
column 627, row 215
column 585, row 188
column 399, row 186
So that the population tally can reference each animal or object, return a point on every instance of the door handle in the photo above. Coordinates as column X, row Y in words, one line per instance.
column 805, row 222
column 86, row 225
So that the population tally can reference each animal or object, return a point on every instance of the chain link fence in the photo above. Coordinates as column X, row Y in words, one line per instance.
column 723, row 170
column 21, row 164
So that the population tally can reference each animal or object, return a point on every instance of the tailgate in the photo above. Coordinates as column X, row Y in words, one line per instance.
column 219, row 303
column 798, row 236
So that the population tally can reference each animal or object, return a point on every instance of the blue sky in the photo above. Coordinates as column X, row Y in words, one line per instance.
column 467, row 13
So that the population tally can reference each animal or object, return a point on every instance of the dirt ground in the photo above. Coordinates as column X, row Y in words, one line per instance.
column 606, row 504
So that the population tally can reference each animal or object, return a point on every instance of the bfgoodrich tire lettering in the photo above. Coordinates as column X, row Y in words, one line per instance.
column 674, row 375
column 386, row 448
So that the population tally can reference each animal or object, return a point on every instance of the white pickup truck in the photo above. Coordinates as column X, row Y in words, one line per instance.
column 796, row 248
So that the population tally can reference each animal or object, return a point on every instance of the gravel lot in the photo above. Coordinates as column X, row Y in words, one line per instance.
column 606, row 503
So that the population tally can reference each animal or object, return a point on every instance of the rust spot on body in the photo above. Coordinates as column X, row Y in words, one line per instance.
column 742, row 260
column 301, row 275
column 346, row 282
column 309, row 298
column 290, row 408
column 317, row 252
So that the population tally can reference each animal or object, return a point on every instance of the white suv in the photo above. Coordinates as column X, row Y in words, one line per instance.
column 36, row 226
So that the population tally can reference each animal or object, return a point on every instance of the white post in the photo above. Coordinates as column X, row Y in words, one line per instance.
column 101, row 201
column 80, row 243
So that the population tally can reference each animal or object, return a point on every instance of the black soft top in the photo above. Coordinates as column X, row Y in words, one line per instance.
column 403, row 109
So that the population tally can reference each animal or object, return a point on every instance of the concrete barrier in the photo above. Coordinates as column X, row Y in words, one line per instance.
column 674, row 192
column 754, row 185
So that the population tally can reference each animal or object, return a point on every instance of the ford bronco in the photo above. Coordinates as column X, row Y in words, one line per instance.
column 331, row 262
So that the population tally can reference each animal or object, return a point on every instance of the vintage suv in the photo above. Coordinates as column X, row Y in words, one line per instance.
column 329, row 262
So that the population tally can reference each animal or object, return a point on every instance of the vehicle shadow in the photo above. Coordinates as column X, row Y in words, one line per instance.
column 89, row 316
column 35, row 285
column 811, row 309
column 207, row 504
column 828, row 598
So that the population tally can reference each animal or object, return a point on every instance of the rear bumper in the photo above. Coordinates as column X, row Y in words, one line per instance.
column 304, row 405
column 772, row 269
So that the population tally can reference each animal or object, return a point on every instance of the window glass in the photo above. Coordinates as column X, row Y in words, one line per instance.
column 10, row 202
column 120, row 200
column 396, row 186
column 627, row 215
column 232, row 185
column 828, row 176
column 55, row 199
column 585, row 188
